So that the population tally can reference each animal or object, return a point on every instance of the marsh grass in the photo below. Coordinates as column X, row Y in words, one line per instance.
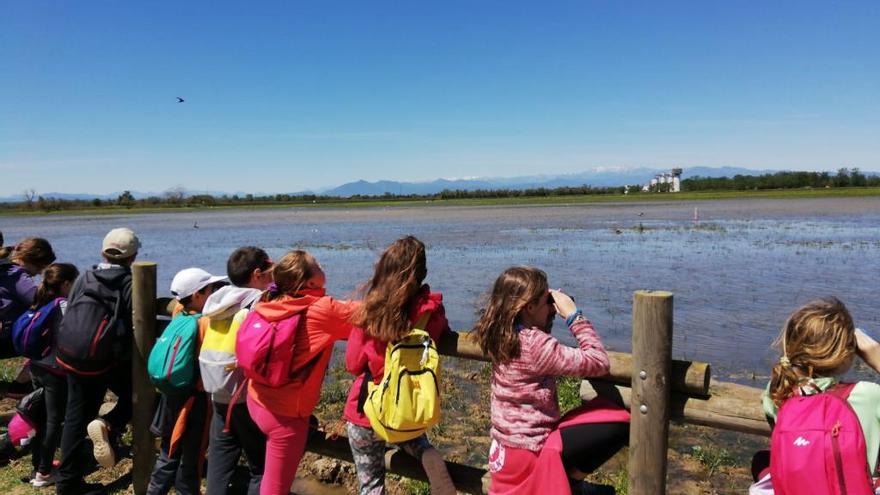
column 712, row 457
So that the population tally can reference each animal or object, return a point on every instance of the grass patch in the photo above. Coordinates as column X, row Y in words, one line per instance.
column 537, row 200
column 568, row 392
column 712, row 457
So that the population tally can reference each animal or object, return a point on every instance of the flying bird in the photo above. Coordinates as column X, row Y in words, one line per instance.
column 180, row 100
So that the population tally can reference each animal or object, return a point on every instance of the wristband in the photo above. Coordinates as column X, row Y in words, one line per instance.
column 572, row 317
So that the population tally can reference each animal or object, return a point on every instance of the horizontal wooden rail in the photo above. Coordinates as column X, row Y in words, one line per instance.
column 729, row 406
column 688, row 377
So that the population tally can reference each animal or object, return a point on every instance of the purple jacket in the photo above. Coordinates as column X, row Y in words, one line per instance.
column 17, row 290
column 524, row 406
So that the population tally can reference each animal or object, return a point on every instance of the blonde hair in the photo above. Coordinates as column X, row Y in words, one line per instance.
column 396, row 279
column 816, row 340
column 293, row 270
column 496, row 329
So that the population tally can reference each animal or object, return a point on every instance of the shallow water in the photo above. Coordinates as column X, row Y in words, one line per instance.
column 736, row 272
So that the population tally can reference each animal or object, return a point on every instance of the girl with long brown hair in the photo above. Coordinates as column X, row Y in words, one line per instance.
column 533, row 449
column 282, row 413
column 57, row 281
column 395, row 300
column 17, row 285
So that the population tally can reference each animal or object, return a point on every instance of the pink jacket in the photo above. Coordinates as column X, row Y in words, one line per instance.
column 362, row 351
column 326, row 321
column 524, row 404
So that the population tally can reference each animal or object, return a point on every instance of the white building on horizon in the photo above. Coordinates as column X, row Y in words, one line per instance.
column 673, row 178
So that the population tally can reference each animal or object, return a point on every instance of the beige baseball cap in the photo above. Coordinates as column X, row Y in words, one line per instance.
column 120, row 244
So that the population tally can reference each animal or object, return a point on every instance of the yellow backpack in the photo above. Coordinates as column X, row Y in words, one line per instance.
column 407, row 400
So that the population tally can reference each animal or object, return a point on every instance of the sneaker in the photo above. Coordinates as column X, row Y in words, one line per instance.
column 99, row 433
column 41, row 480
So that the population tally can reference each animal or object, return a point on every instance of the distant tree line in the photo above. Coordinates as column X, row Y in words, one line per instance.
column 179, row 198
column 782, row 180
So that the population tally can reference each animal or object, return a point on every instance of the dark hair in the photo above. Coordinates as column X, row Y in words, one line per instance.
column 34, row 251
column 54, row 277
column 216, row 285
column 5, row 251
column 397, row 278
column 242, row 263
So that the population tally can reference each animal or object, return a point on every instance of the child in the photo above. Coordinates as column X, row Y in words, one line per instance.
column 85, row 391
column 282, row 413
column 532, row 450
column 17, row 286
column 181, row 419
column 57, row 281
column 250, row 270
column 394, row 302
column 819, row 343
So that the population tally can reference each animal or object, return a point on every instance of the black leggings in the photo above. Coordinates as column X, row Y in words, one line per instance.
column 48, row 436
column 586, row 447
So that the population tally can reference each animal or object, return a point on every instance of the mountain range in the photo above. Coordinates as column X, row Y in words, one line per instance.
column 598, row 177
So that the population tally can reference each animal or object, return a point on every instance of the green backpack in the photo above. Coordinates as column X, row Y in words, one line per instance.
column 172, row 364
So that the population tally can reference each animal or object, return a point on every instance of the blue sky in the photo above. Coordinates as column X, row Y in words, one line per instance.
column 293, row 95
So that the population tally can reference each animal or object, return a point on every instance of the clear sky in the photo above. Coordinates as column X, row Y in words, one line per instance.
column 286, row 96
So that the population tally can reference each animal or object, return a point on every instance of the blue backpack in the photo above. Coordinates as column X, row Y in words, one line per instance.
column 173, row 364
column 32, row 331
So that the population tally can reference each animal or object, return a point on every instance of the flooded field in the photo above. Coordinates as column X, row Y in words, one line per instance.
column 736, row 271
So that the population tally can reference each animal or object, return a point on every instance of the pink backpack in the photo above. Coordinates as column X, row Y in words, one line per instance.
column 264, row 349
column 817, row 446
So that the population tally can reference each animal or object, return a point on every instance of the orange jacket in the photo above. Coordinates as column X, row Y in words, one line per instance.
column 326, row 321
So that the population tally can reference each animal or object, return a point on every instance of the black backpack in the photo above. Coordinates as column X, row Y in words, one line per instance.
column 93, row 334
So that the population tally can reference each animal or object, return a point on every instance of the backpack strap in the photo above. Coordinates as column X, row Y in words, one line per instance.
column 841, row 390
column 241, row 386
column 423, row 320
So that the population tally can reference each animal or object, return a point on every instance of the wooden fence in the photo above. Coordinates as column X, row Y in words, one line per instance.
column 655, row 387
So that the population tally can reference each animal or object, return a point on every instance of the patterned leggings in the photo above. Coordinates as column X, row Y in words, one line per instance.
column 368, row 451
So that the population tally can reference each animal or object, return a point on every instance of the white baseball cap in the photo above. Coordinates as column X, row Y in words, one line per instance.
column 191, row 280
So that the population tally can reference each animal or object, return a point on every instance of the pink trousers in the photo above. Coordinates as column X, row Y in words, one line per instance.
column 285, row 444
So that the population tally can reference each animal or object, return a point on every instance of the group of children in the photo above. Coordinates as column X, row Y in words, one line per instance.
column 223, row 413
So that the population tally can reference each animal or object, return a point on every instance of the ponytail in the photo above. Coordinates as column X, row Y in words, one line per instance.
column 54, row 277
column 816, row 340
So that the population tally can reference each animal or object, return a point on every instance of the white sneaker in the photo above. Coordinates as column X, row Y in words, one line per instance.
column 99, row 433
column 41, row 480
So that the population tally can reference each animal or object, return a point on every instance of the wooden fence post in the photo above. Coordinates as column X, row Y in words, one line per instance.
column 652, row 359
column 143, row 394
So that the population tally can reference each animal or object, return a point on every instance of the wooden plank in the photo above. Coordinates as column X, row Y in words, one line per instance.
column 688, row 377
column 143, row 394
column 730, row 406
column 652, row 364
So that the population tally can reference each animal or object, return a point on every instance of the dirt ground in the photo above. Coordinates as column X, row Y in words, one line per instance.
column 700, row 460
